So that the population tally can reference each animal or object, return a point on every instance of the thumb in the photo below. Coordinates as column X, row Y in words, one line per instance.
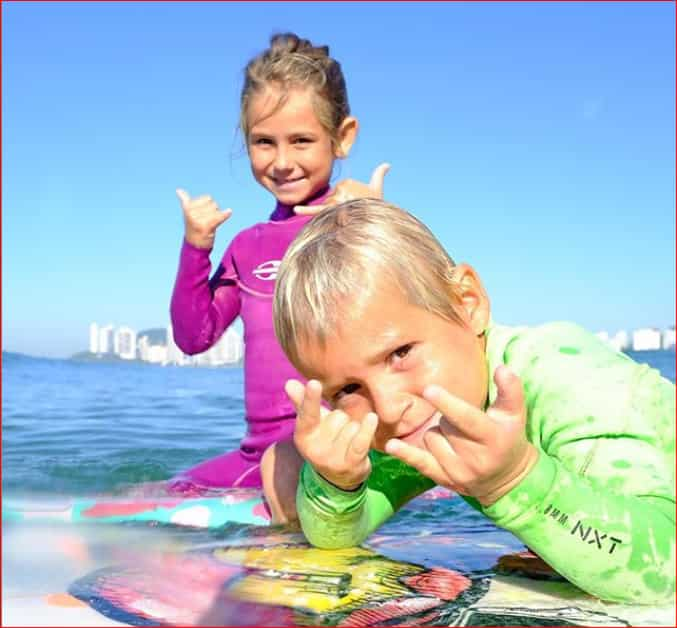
column 184, row 197
column 376, row 181
column 309, row 210
column 510, row 396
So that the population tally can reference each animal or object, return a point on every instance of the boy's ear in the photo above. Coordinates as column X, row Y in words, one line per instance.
column 347, row 133
column 472, row 297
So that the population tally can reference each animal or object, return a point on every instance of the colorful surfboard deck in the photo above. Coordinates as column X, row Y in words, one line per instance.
column 152, row 573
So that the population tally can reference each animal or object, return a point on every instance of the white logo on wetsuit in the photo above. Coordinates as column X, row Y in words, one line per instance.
column 267, row 271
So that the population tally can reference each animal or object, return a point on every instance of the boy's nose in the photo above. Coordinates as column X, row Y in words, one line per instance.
column 390, row 405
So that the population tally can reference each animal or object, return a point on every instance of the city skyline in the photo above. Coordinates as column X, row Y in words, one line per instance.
column 125, row 343
column 536, row 140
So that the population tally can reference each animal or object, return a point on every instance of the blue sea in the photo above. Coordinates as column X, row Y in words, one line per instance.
column 71, row 428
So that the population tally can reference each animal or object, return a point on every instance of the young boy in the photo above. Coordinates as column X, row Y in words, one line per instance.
column 547, row 431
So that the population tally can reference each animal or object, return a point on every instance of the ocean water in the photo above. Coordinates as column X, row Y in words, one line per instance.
column 71, row 428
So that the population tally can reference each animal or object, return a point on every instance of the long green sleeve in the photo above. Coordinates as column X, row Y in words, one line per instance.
column 599, row 506
column 332, row 518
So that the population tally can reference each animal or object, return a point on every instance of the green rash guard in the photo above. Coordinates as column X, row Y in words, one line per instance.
column 598, row 506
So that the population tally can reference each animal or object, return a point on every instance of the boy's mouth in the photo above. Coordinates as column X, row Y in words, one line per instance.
column 412, row 437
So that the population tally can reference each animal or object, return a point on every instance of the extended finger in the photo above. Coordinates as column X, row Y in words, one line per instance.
column 466, row 418
column 510, row 395
column 376, row 181
column 308, row 412
column 295, row 391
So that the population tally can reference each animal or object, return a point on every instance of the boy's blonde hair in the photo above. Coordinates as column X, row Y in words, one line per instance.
column 345, row 251
column 290, row 63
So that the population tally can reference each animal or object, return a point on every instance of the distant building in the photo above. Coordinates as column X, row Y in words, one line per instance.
column 234, row 348
column 106, row 339
column 174, row 354
column 124, row 343
column 646, row 339
column 93, row 338
column 156, row 354
column 669, row 338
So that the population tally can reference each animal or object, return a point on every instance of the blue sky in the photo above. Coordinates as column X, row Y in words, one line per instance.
column 537, row 140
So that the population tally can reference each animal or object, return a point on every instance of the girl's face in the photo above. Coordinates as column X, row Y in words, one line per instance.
column 387, row 351
column 291, row 153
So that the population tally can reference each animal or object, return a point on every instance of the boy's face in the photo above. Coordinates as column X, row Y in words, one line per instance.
column 386, row 351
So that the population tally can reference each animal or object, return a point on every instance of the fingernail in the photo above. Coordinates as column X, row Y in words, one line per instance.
column 392, row 446
column 432, row 392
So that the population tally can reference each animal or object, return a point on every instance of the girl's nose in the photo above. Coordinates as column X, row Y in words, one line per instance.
column 282, row 161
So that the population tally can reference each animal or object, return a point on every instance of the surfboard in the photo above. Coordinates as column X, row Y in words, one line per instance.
column 221, row 507
column 147, row 572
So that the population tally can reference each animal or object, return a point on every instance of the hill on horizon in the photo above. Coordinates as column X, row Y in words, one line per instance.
column 155, row 335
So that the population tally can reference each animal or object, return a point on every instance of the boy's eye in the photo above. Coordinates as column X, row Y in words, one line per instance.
column 346, row 390
column 402, row 352
column 260, row 141
column 303, row 140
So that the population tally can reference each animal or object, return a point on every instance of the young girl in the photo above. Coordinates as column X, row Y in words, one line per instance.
column 296, row 121
column 547, row 431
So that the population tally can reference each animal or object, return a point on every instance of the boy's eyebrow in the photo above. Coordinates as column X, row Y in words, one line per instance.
column 388, row 346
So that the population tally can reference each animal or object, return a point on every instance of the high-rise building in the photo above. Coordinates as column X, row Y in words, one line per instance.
column 233, row 346
column 174, row 354
column 668, row 338
column 105, row 339
column 646, row 339
column 93, row 338
column 124, row 343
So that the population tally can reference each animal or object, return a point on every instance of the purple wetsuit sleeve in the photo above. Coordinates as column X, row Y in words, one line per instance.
column 201, row 309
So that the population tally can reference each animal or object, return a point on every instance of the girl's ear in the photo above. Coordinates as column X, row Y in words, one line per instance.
column 472, row 297
column 347, row 133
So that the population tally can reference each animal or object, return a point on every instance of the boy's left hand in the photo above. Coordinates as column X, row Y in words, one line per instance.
column 348, row 190
column 475, row 453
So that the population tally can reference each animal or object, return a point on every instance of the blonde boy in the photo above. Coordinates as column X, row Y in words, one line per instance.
column 547, row 431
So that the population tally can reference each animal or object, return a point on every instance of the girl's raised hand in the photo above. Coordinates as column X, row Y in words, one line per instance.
column 336, row 446
column 475, row 453
column 349, row 189
column 202, row 217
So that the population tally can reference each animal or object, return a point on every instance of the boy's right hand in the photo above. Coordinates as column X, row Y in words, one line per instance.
column 336, row 446
column 202, row 217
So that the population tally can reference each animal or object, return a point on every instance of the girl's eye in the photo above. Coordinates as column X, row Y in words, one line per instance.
column 260, row 141
column 303, row 140
column 346, row 390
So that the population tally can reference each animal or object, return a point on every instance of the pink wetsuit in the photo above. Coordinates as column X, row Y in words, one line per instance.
column 203, row 308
